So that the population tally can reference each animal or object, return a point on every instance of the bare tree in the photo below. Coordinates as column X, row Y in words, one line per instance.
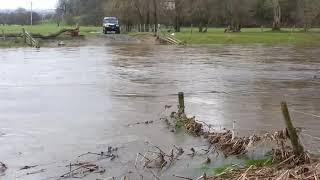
column 121, row 9
column 204, row 11
column 276, row 15
column 308, row 11
column 237, row 12
column 155, row 14
column 178, row 14
column 140, row 6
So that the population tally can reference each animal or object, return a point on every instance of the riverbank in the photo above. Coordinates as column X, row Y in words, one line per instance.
column 46, row 29
column 86, row 33
column 249, row 36
column 89, row 34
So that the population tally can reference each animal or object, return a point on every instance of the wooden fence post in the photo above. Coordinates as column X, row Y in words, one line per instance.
column 37, row 45
column 24, row 35
column 181, row 102
column 3, row 35
column 297, row 147
column 158, row 31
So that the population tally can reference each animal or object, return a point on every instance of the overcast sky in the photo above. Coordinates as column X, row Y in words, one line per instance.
column 37, row 4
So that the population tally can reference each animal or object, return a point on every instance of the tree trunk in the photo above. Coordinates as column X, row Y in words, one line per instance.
column 276, row 16
column 177, row 15
column 306, row 27
column 200, row 27
column 177, row 23
column 205, row 29
column 148, row 20
column 155, row 8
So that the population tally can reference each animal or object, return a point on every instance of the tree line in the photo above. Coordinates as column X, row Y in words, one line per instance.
column 232, row 14
column 19, row 17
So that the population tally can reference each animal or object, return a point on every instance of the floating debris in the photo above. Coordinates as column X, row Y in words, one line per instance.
column 82, row 170
column 225, row 140
column 304, row 171
column 36, row 172
column 156, row 158
column 61, row 43
column 286, row 164
column 139, row 123
column 28, row 167
column 3, row 168
column 108, row 154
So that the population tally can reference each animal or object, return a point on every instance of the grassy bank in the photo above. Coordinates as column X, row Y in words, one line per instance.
column 249, row 36
column 213, row 36
column 47, row 29
column 11, row 43
column 43, row 29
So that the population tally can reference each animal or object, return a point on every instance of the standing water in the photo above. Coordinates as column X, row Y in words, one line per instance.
column 58, row 103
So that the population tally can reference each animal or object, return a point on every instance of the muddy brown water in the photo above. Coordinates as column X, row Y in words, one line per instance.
column 58, row 103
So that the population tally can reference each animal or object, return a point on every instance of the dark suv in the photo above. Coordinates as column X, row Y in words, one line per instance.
column 111, row 24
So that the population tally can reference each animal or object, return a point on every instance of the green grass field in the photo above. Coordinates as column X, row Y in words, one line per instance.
column 249, row 36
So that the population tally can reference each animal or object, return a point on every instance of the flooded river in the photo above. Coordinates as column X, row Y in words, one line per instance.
column 58, row 103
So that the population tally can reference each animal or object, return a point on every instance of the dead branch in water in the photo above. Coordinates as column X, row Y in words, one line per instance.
column 156, row 158
column 181, row 177
column 28, row 167
column 143, row 122
column 81, row 170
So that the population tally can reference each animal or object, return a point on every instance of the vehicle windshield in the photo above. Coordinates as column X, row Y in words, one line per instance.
column 111, row 21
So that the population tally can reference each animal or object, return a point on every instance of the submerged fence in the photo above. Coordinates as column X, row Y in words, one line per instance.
column 26, row 37
column 303, row 139
column 29, row 40
column 306, row 135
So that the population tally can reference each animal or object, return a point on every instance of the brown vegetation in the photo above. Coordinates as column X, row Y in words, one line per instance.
column 233, row 14
column 287, row 164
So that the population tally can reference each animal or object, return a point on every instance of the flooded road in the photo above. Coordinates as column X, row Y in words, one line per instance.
column 58, row 103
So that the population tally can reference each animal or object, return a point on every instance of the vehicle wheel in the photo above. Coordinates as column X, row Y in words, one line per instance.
column 105, row 31
column 118, row 32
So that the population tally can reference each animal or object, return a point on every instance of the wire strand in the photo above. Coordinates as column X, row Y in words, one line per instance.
column 309, row 114
column 314, row 137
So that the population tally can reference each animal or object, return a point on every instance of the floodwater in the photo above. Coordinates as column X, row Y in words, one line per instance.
column 58, row 103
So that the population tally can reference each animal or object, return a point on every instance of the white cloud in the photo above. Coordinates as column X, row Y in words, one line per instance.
column 37, row 4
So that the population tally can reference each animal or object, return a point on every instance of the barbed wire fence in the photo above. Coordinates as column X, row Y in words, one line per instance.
column 310, row 141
